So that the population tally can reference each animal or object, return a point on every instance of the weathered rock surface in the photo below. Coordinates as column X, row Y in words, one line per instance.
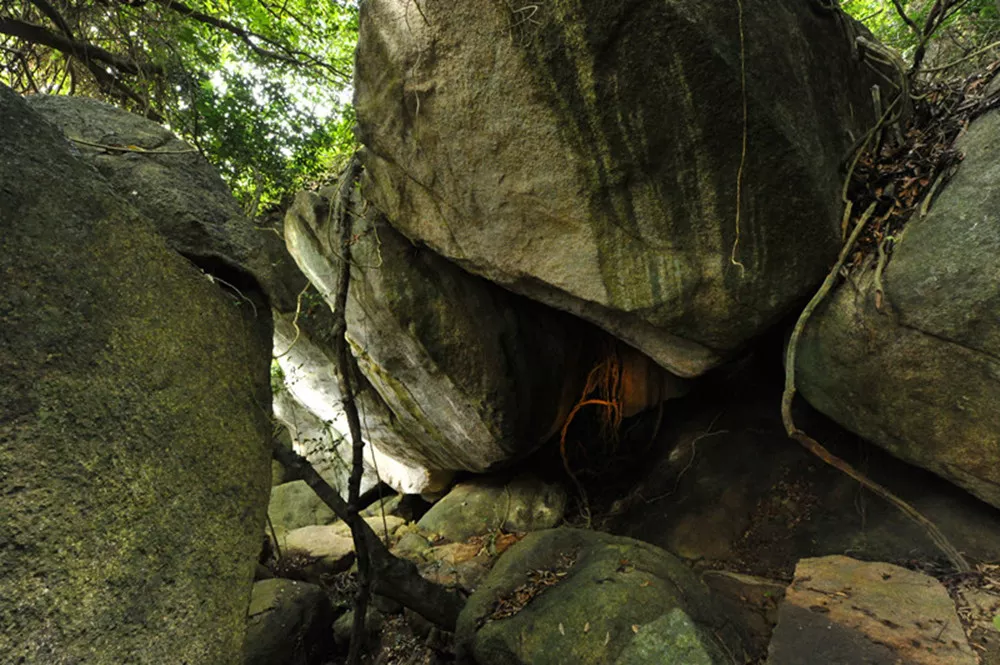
column 840, row 611
column 587, row 154
column 317, row 441
column 134, row 429
column 311, row 408
column 620, row 599
column 177, row 190
column 473, row 375
column 922, row 377
column 290, row 623
column 485, row 505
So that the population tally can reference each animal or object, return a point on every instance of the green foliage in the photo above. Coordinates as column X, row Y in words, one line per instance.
column 972, row 23
column 259, row 86
column 277, row 377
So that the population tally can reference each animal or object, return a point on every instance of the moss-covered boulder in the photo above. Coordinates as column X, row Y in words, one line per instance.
column 134, row 428
column 921, row 378
column 290, row 623
column 591, row 155
column 294, row 505
column 176, row 188
column 575, row 596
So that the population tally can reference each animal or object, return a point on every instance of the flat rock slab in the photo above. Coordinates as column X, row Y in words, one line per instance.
column 333, row 543
column 840, row 611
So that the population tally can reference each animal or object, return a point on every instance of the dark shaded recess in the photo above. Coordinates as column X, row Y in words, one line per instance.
column 233, row 279
column 791, row 504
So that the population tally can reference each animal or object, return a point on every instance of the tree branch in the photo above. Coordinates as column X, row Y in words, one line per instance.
column 392, row 577
column 289, row 55
column 37, row 34
column 342, row 370
column 906, row 19
column 54, row 16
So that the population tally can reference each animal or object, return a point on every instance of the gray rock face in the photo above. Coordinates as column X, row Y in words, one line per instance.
column 841, row 611
column 922, row 378
column 177, row 190
column 310, row 406
column 472, row 375
column 607, row 599
column 290, row 623
column 134, row 429
column 587, row 154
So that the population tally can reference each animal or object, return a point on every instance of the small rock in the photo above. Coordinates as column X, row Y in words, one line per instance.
column 462, row 565
column 412, row 546
column 480, row 506
column 840, row 611
column 334, row 551
column 344, row 625
column 295, row 505
column 751, row 601
column 380, row 527
column 289, row 624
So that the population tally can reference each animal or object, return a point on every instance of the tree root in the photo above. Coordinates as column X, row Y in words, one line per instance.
column 813, row 446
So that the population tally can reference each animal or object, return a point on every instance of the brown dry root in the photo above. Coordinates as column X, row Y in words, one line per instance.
column 813, row 446
column 606, row 381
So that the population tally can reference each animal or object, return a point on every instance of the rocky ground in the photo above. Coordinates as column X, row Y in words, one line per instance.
column 714, row 485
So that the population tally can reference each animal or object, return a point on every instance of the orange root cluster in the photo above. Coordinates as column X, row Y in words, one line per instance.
column 605, row 387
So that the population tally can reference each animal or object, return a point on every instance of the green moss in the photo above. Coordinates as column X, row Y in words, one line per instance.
column 139, row 442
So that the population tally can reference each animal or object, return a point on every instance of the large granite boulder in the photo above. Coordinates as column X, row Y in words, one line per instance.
column 575, row 596
column 472, row 374
column 922, row 377
column 178, row 190
column 134, row 424
column 587, row 154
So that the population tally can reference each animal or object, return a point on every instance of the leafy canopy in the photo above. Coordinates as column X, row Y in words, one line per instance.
column 958, row 27
column 261, row 87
